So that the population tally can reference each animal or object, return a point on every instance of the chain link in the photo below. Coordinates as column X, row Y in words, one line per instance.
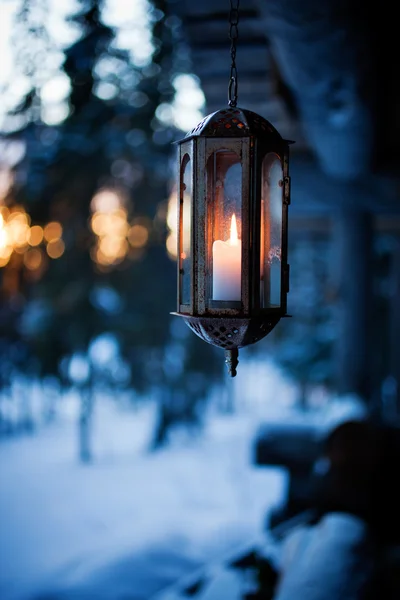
column 233, row 36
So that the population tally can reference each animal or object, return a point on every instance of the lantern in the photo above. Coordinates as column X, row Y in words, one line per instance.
column 233, row 195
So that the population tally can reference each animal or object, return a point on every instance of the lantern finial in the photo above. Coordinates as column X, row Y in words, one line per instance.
column 232, row 361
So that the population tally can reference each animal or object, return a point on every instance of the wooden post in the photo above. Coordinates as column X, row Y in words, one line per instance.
column 394, row 321
column 353, row 244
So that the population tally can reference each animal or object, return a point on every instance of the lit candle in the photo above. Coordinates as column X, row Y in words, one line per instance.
column 227, row 266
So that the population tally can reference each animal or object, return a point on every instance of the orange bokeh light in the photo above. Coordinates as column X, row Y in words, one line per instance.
column 52, row 231
column 138, row 236
column 55, row 248
column 35, row 235
column 33, row 259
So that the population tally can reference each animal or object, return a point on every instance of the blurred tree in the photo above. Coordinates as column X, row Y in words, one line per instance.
column 185, row 374
column 109, row 158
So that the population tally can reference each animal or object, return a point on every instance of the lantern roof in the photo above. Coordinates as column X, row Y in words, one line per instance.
column 234, row 122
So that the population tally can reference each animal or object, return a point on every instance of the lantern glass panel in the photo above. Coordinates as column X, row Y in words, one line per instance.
column 185, row 235
column 271, row 231
column 224, row 227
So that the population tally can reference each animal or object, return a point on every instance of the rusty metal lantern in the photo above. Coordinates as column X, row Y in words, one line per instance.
column 233, row 195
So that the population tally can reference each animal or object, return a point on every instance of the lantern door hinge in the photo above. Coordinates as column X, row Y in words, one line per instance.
column 286, row 191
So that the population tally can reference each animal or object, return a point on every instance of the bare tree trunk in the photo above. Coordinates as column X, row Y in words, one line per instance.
column 85, row 424
column 164, row 420
column 49, row 408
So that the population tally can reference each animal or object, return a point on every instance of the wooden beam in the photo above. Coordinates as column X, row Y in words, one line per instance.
column 210, row 29
column 301, row 223
column 311, row 187
column 352, row 260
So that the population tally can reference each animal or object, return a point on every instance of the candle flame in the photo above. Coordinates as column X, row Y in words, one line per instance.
column 233, row 240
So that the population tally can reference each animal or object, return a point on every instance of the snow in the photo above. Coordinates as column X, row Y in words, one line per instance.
column 336, row 554
column 132, row 521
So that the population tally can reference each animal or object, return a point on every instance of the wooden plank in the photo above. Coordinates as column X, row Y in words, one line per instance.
column 310, row 185
column 213, row 7
column 211, row 61
column 206, row 29
column 255, row 85
column 323, row 224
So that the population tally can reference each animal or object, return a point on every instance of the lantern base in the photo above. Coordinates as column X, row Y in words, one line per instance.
column 231, row 332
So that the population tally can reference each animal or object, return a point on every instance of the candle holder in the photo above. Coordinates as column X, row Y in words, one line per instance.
column 234, row 192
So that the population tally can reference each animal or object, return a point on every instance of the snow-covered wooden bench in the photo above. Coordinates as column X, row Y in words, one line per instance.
column 297, row 445
column 346, row 546
column 331, row 560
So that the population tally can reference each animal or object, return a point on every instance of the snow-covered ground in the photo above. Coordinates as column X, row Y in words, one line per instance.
column 132, row 520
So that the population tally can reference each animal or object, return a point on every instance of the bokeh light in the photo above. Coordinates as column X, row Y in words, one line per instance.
column 112, row 246
column 55, row 248
column 4, row 213
column 52, row 231
column 6, row 182
column 171, row 246
column 106, row 201
column 35, row 235
column 33, row 259
column 117, row 223
column 4, row 260
column 111, row 228
column 5, row 250
column 138, row 236
column 117, row 238
column 19, row 245
column 132, row 20
column 3, row 238
column 18, row 232
column 189, row 101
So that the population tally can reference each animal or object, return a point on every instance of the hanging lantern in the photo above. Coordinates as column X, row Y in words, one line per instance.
column 233, row 196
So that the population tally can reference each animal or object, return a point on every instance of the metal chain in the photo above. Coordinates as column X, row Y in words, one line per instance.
column 233, row 36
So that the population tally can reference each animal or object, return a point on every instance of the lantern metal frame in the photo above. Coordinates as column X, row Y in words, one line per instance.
column 230, row 325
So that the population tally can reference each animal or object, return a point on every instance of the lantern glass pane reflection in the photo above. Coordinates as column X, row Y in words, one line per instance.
column 271, row 231
column 185, row 258
column 224, row 227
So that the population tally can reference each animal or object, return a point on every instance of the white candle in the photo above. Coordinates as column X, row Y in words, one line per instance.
column 227, row 266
